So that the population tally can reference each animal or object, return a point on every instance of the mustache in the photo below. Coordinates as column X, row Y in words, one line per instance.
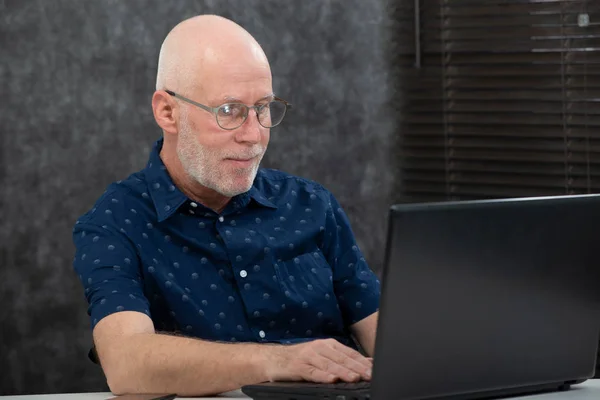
column 247, row 154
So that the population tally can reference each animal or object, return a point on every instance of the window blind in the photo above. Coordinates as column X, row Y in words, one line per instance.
column 500, row 98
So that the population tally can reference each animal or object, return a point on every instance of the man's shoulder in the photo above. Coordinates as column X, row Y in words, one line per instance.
column 126, row 194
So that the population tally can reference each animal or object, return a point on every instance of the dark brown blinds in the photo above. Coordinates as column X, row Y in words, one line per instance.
column 500, row 98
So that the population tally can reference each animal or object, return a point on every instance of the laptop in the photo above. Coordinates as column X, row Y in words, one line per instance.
column 480, row 299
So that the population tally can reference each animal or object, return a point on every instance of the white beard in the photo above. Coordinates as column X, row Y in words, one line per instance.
column 206, row 166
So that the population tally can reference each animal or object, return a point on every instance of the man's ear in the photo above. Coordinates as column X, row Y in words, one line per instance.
column 166, row 111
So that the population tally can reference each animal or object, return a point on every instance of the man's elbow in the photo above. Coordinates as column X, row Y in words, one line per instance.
column 122, row 374
column 116, row 387
column 122, row 382
column 115, row 382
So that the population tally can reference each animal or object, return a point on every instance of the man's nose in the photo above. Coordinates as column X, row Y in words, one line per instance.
column 251, row 130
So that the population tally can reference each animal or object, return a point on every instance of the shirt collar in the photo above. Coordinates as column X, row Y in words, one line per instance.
column 256, row 195
column 165, row 195
column 167, row 198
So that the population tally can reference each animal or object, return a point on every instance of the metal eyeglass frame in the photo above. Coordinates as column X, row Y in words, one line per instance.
column 215, row 110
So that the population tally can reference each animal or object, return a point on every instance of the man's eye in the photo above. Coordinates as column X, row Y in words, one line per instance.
column 231, row 110
column 226, row 110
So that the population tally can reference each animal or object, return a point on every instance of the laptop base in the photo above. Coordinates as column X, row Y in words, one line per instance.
column 307, row 390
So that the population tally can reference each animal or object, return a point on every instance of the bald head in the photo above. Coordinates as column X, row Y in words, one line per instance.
column 198, row 48
column 212, row 61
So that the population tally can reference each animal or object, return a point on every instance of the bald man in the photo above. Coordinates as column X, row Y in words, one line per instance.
column 204, row 273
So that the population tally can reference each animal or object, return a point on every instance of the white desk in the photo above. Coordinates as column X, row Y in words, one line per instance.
column 107, row 395
column 589, row 390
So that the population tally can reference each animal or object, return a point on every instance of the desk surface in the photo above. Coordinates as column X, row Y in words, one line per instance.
column 589, row 390
column 107, row 395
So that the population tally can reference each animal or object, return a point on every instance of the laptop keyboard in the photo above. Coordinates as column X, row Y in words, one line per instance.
column 351, row 385
column 339, row 385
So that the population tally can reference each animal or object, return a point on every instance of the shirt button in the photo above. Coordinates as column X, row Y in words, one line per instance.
column 243, row 273
column 262, row 334
column 221, row 219
column 193, row 204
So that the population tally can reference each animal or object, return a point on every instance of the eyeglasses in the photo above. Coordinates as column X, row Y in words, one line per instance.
column 232, row 115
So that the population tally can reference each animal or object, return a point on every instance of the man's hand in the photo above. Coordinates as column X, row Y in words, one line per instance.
column 324, row 360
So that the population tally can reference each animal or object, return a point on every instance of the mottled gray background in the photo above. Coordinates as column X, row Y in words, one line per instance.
column 76, row 79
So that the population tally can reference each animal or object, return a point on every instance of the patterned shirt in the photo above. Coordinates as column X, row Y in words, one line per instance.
column 279, row 264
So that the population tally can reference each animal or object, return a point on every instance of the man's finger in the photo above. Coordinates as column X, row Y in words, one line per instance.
column 355, row 355
column 314, row 374
column 348, row 363
column 339, row 370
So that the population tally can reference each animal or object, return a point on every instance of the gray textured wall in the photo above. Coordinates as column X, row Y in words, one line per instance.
column 76, row 79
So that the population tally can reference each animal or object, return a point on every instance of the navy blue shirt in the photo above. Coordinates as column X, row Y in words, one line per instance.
column 279, row 264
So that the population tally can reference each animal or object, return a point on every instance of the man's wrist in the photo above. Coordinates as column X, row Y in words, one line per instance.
column 267, row 359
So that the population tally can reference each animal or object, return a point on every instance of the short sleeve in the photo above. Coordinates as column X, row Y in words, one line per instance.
column 108, row 268
column 356, row 286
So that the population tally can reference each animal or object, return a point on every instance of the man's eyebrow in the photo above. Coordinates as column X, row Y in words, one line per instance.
column 230, row 99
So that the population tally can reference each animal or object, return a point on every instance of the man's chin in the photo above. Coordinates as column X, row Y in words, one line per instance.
column 238, row 186
column 237, row 181
column 232, row 192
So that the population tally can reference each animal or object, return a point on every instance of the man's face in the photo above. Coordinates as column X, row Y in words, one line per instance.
column 222, row 160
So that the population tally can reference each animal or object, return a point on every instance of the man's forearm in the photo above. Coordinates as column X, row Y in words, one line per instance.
column 155, row 363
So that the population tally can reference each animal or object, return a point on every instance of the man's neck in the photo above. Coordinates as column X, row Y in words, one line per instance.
column 192, row 189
